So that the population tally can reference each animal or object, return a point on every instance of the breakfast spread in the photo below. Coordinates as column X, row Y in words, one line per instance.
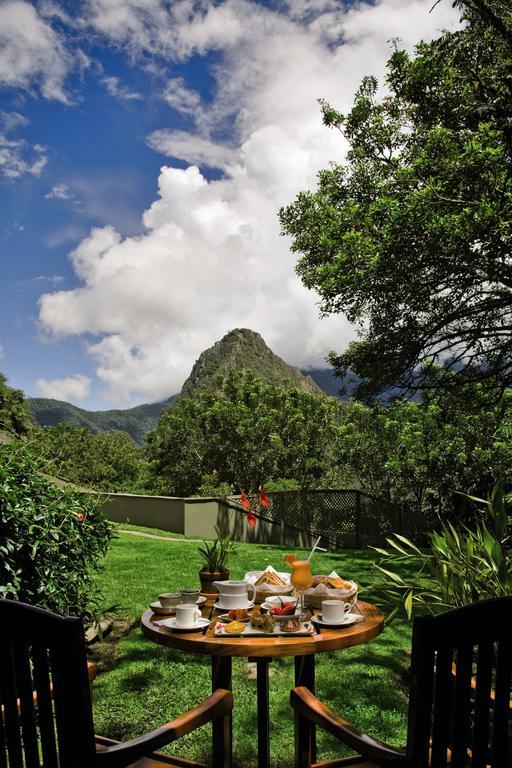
column 282, row 611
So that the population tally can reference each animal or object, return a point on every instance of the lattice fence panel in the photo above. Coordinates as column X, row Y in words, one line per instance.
column 343, row 517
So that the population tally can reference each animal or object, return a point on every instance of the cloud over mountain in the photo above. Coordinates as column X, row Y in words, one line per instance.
column 211, row 257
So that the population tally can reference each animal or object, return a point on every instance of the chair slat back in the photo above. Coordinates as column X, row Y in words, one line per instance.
column 461, row 674
column 45, row 703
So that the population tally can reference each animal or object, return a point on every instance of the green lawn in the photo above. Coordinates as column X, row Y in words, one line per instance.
column 150, row 684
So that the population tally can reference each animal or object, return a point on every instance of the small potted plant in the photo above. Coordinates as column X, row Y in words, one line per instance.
column 215, row 557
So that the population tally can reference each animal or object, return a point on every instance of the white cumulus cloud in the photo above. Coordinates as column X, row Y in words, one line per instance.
column 211, row 257
column 32, row 55
column 71, row 388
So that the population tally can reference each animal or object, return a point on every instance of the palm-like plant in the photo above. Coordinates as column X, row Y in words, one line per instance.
column 215, row 554
column 459, row 567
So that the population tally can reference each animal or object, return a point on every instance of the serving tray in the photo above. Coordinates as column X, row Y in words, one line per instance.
column 306, row 630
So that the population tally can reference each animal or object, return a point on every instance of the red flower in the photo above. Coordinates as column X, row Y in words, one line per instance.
column 79, row 516
column 244, row 501
column 264, row 499
column 246, row 504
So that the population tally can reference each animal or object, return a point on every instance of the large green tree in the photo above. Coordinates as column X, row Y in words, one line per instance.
column 108, row 461
column 14, row 415
column 411, row 237
column 419, row 454
column 244, row 435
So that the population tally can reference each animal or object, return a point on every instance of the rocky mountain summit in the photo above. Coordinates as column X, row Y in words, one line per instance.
column 241, row 349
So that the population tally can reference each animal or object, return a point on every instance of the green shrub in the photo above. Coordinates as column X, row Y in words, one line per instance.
column 51, row 538
column 461, row 564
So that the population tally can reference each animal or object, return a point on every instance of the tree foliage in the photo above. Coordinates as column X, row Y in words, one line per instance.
column 411, row 237
column 419, row 454
column 243, row 435
column 108, row 461
column 14, row 415
column 51, row 538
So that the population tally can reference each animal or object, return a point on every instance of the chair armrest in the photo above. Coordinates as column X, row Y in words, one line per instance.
column 306, row 704
column 91, row 671
column 219, row 704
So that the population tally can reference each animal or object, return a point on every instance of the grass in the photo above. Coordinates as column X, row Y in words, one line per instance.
column 149, row 684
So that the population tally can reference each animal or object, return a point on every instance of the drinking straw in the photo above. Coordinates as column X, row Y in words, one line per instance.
column 317, row 542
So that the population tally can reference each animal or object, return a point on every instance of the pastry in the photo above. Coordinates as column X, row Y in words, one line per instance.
column 234, row 628
column 238, row 614
column 292, row 625
column 263, row 621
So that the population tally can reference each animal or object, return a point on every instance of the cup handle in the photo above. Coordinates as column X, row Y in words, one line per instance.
column 197, row 615
column 251, row 586
column 346, row 608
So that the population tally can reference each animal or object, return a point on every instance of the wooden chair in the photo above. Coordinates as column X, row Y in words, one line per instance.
column 459, row 716
column 45, row 703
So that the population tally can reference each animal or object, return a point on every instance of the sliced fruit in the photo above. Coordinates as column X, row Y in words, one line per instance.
column 291, row 558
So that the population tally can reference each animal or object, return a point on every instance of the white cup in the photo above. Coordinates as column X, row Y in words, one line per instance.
column 187, row 615
column 334, row 611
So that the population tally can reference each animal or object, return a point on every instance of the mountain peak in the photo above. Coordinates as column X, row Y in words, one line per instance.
column 241, row 349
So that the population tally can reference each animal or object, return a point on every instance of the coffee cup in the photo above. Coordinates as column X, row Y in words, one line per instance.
column 169, row 599
column 187, row 615
column 334, row 611
column 189, row 595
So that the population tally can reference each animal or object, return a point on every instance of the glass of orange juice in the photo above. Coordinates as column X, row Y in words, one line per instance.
column 301, row 578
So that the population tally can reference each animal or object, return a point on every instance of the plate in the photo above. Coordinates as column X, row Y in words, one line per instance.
column 171, row 623
column 306, row 630
column 157, row 607
column 351, row 618
column 220, row 607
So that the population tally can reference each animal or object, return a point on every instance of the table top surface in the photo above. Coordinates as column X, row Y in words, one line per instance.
column 325, row 639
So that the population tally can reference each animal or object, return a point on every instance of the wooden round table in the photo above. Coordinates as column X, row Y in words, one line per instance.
column 261, row 650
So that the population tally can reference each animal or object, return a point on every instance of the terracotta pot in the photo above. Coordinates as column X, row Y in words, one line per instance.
column 208, row 577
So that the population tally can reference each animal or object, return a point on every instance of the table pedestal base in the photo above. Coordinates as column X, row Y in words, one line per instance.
column 305, row 734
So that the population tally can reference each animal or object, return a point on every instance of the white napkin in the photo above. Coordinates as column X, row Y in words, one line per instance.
column 165, row 622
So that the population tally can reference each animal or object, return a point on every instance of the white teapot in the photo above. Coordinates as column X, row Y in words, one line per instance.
column 234, row 594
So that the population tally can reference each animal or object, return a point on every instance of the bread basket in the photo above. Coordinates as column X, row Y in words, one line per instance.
column 314, row 596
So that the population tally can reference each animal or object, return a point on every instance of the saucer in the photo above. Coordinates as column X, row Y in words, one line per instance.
column 351, row 618
column 219, row 607
column 157, row 607
column 171, row 623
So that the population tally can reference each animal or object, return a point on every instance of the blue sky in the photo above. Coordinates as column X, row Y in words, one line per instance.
column 145, row 149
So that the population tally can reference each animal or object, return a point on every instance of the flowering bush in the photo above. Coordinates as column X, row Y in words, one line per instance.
column 51, row 537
